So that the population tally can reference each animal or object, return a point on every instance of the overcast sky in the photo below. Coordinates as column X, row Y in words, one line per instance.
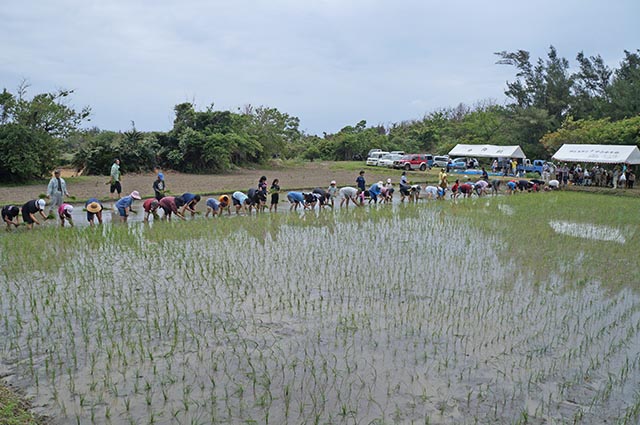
column 331, row 63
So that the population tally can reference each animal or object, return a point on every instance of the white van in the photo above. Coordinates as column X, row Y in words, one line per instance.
column 374, row 157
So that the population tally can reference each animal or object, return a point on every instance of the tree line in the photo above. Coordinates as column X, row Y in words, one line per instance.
column 548, row 105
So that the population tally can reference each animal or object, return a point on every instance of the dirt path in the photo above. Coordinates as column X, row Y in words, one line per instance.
column 304, row 176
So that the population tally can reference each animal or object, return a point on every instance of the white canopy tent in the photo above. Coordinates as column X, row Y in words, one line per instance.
column 488, row 151
column 602, row 154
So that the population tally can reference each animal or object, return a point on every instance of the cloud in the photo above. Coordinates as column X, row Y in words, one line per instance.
column 331, row 63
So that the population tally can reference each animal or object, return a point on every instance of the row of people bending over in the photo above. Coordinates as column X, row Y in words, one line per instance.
column 256, row 199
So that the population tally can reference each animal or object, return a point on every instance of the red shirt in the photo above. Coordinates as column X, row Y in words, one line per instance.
column 147, row 204
column 168, row 204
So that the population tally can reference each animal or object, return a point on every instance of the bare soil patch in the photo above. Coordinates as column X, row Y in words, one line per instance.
column 302, row 176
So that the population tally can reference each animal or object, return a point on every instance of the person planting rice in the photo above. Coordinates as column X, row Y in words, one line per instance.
column 170, row 205
column 216, row 206
column 348, row 194
column 275, row 195
column 10, row 215
column 466, row 190
column 511, row 187
column 64, row 214
column 295, row 200
column 414, row 192
column 481, row 187
column 150, row 207
column 124, row 205
column 495, row 187
column 257, row 199
column 524, row 185
column 405, row 191
column 29, row 210
column 431, row 192
column 322, row 196
column 374, row 192
column 240, row 201
column 554, row 184
column 187, row 202
column 454, row 189
column 94, row 209
column 225, row 203
column 387, row 191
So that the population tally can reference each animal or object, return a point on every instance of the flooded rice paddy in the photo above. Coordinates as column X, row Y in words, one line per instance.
column 479, row 311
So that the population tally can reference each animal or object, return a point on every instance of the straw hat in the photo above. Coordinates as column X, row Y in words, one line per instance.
column 94, row 207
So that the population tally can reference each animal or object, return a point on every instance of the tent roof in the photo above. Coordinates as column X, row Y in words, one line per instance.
column 488, row 151
column 603, row 154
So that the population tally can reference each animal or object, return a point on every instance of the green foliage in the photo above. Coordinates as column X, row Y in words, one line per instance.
column 624, row 91
column 30, row 132
column 603, row 131
column 25, row 153
column 136, row 151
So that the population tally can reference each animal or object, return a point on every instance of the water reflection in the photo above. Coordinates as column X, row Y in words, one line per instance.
column 588, row 231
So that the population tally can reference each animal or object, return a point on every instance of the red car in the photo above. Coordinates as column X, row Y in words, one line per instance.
column 414, row 161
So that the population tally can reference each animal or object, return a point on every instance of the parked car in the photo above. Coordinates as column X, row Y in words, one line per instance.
column 440, row 161
column 373, row 159
column 388, row 159
column 463, row 163
column 535, row 167
column 414, row 161
column 372, row 151
column 398, row 152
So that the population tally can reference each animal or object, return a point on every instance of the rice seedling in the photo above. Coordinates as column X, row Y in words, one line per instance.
column 448, row 313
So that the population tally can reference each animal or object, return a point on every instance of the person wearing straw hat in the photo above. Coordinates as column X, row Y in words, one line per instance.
column 56, row 191
column 124, row 205
column 94, row 209
column 10, row 215
column 64, row 214
column 30, row 209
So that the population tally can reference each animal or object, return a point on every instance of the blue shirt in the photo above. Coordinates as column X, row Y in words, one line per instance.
column 213, row 204
column 125, row 202
column 374, row 189
column 187, row 198
column 295, row 196
column 90, row 200
column 360, row 182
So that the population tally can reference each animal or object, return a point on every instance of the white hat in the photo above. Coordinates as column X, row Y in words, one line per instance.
column 333, row 182
column 41, row 203
column 135, row 194
column 68, row 209
column 380, row 183
column 388, row 180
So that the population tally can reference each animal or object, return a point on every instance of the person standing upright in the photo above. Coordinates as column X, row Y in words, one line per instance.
column 115, row 179
column 360, row 182
column 56, row 191
column 159, row 186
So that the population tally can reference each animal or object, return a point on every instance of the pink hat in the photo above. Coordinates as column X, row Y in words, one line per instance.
column 135, row 194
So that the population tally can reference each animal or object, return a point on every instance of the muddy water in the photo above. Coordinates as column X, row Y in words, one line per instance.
column 389, row 316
